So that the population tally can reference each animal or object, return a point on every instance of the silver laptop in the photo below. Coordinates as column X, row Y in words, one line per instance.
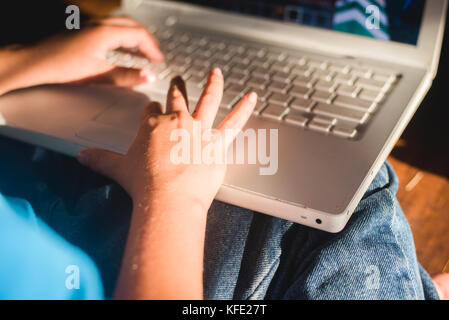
column 338, row 80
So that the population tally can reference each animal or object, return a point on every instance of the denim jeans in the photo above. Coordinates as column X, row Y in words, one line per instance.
column 248, row 255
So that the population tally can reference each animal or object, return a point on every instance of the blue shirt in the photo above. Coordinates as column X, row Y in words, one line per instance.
column 36, row 263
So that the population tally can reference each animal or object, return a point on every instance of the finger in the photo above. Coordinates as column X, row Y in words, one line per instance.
column 210, row 99
column 124, row 21
column 152, row 108
column 177, row 96
column 101, row 161
column 237, row 119
column 125, row 77
column 131, row 37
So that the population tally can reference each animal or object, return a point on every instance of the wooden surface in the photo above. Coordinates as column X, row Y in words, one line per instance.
column 420, row 159
column 424, row 197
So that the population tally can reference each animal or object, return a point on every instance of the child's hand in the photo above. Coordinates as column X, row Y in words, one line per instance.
column 81, row 55
column 164, row 253
column 149, row 174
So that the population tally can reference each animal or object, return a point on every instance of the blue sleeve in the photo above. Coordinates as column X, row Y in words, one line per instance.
column 36, row 263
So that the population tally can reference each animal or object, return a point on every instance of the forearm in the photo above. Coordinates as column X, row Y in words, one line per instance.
column 164, row 253
column 18, row 69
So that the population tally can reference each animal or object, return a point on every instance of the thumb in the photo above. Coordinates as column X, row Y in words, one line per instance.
column 101, row 161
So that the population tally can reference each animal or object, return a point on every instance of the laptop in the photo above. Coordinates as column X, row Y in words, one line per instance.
column 338, row 81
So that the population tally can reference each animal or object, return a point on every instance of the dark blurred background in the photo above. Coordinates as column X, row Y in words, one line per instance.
column 420, row 158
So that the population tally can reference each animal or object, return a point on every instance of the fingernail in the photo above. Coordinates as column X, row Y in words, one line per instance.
column 252, row 97
column 217, row 71
column 83, row 157
column 147, row 76
column 151, row 78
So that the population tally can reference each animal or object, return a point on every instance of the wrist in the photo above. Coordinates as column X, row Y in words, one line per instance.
column 157, row 203
column 19, row 70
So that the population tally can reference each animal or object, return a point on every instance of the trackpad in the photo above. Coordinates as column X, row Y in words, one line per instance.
column 116, row 127
column 125, row 113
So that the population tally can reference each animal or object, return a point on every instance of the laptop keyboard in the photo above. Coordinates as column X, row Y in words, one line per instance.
column 303, row 91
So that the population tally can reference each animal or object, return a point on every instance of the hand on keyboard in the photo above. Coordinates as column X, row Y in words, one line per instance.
column 148, row 164
column 81, row 56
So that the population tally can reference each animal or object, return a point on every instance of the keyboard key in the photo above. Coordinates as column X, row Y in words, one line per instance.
column 372, row 84
column 260, row 105
column 385, row 77
column 273, row 55
column 184, row 38
column 259, row 83
column 242, row 60
column 235, row 88
column 236, row 78
column 200, row 64
column 296, row 61
column 304, row 81
column 228, row 100
column 279, row 98
column 236, row 48
column 371, row 95
column 325, row 119
column 361, row 72
column 322, row 74
column 239, row 68
column 319, row 126
column 256, row 52
column 261, row 73
column 274, row 111
column 261, row 94
column 280, row 66
column 281, row 76
column 340, row 113
column 347, row 79
column 300, row 91
column 204, row 54
column 302, row 104
column 218, row 45
column 296, row 118
column 223, row 65
column 322, row 96
column 261, row 63
column 179, row 69
column 280, row 87
column 302, row 70
column 325, row 85
column 355, row 103
column 345, row 90
column 340, row 68
column 344, row 131
column 190, row 49
column 315, row 63
column 197, row 70
column 196, row 78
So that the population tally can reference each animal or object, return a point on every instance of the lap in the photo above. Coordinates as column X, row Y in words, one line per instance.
column 247, row 255
column 372, row 258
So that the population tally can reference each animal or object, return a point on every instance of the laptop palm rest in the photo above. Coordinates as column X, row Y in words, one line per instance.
column 116, row 127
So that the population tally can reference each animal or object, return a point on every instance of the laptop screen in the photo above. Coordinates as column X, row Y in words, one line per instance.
column 389, row 20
